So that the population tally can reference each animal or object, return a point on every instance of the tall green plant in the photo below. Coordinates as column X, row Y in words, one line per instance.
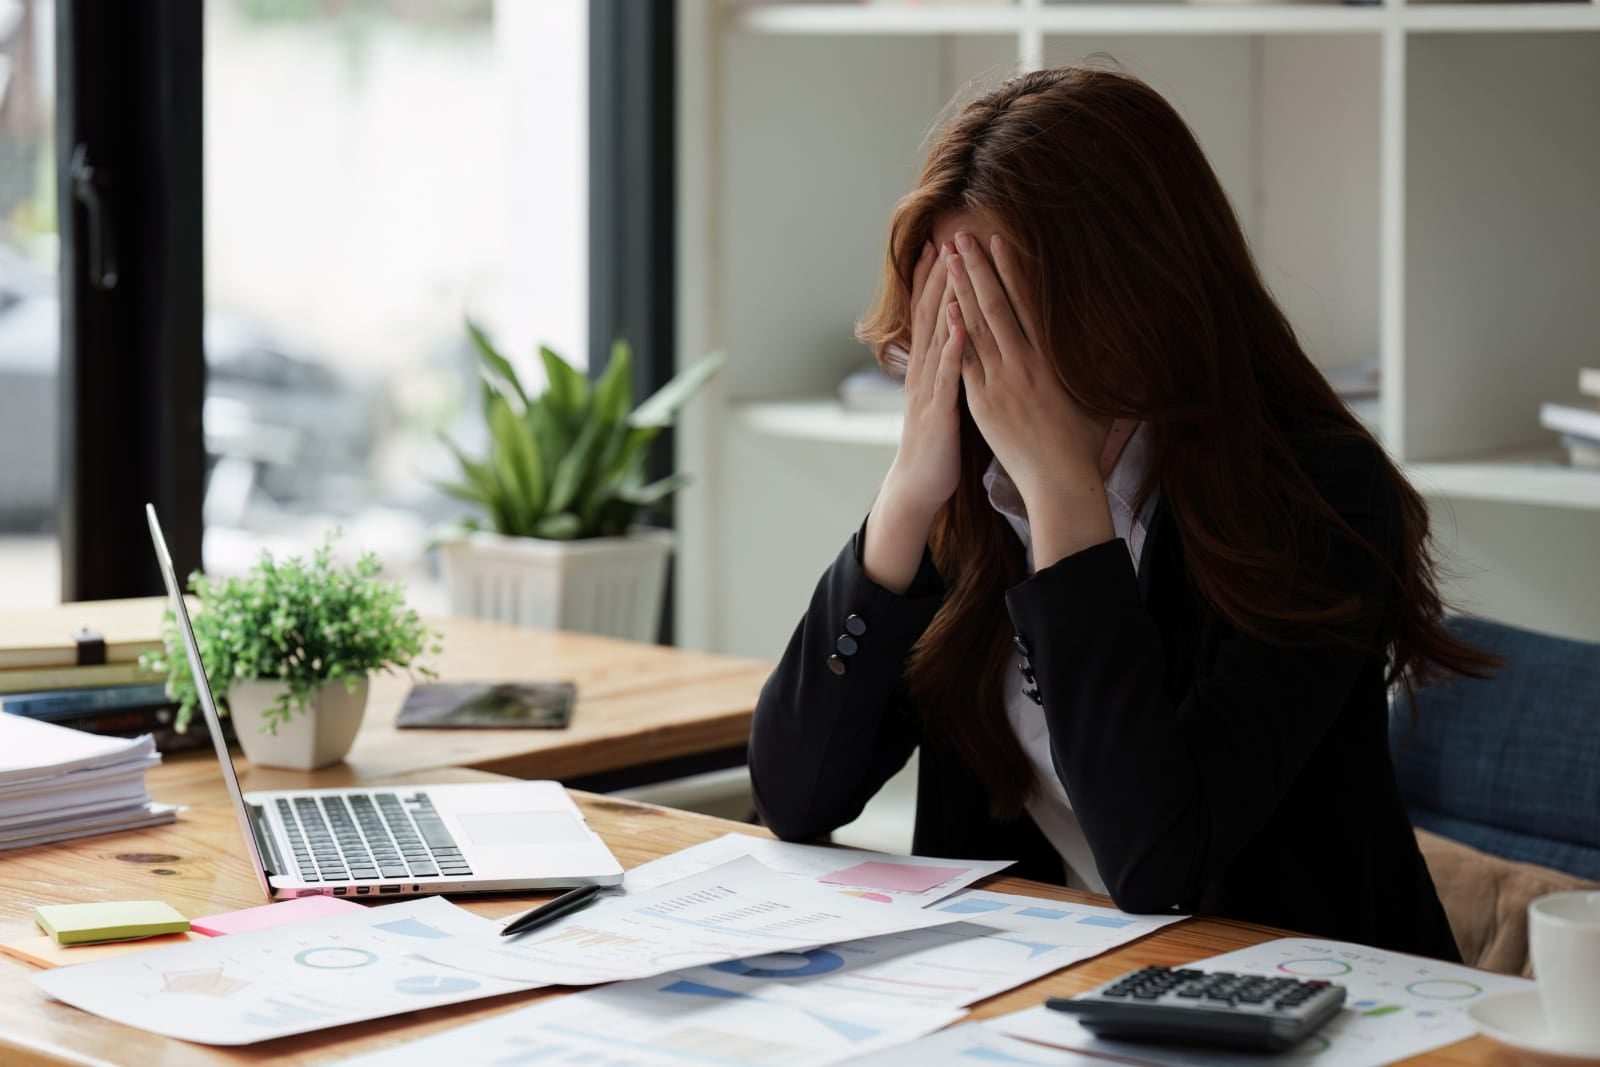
column 569, row 462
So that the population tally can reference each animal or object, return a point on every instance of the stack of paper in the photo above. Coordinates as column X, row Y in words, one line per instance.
column 57, row 783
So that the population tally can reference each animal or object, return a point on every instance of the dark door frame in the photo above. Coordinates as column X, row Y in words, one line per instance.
column 132, row 363
column 632, row 199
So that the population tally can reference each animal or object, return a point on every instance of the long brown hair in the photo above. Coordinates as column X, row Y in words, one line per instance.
column 1153, row 309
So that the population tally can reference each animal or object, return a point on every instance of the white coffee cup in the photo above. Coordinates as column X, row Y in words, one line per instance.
column 1564, row 942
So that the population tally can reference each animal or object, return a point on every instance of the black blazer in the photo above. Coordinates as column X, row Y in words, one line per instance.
column 1212, row 773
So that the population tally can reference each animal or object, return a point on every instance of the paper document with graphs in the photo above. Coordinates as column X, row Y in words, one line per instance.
column 1395, row 1006
column 668, row 1022
column 254, row 986
column 1001, row 941
column 901, row 881
column 738, row 909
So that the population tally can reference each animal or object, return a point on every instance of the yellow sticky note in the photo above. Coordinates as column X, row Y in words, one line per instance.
column 112, row 920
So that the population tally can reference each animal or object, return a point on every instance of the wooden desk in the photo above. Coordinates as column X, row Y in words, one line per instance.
column 637, row 705
column 196, row 866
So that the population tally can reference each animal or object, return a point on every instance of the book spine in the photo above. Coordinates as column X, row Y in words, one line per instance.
column 25, row 680
column 63, row 702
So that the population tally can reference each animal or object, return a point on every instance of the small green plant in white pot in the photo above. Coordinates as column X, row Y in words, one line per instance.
column 560, row 491
column 288, row 649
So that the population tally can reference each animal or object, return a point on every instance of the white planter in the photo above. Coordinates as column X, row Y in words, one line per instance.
column 317, row 738
column 603, row 585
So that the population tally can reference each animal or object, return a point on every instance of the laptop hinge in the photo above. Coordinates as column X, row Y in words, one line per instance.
column 265, row 843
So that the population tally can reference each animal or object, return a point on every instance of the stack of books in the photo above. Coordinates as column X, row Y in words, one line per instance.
column 77, row 666
column 57, row 783
column 1579, row 427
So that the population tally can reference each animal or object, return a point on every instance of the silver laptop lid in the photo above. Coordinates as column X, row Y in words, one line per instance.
column 208, row 706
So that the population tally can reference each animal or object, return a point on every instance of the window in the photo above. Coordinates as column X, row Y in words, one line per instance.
column 30, row 313
column 374, row 172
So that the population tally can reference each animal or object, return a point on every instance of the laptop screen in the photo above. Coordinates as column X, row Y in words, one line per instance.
column 202, row 686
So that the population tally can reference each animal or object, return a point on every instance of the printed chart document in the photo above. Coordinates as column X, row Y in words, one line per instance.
column 974, row 1043
column 907, row 881
column 1005, row 941
column 727, row 913
column 1395, row 1006
column 262, row 984
column 666, row 1022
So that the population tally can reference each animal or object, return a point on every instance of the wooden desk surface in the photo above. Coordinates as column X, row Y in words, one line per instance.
column 196, row 865
column 637, row 704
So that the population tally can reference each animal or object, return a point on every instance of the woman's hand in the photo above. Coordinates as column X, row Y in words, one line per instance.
column 1050, row 447
column 927, row 466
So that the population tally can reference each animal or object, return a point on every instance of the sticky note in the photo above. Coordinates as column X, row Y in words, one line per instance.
column 267, row 915
column 44, row 952
column 897, row 877
column 110, row 920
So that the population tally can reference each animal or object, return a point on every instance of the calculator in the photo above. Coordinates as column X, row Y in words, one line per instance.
column 1190, row 1007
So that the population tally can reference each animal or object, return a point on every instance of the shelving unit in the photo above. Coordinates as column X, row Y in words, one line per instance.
column 1417, row 180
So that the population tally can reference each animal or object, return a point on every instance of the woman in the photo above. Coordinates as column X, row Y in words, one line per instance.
column 1136, row 581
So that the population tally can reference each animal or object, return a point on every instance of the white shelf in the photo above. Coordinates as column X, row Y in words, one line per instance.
column 820, row 419
column 825, row 419
column 1132, row 18
column 1531, row 476
column 1121, row 18
column 1501, row 18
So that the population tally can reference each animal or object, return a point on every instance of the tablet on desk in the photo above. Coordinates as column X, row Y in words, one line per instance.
column 499, row 705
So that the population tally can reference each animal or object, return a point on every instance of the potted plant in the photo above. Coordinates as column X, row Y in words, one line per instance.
column 288, row 648
column 561, row 489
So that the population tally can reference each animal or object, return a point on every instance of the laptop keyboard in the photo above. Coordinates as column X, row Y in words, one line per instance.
column 366, row 837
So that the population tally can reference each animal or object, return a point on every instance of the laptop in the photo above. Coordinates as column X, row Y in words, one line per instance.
column 482, row 837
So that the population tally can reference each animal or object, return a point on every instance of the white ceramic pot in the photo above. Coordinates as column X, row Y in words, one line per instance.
column 317, row 738
column 603, row 585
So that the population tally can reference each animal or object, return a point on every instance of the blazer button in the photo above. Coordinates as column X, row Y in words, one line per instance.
column 836, row 665
column 855, row 625
column 1021, row 643
column 847, row 645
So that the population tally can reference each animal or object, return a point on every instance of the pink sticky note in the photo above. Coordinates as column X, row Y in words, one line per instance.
column 897, row 877
column 280, row 914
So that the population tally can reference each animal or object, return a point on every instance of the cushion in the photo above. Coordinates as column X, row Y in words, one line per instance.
column 1486, row 899
column 1510, row 765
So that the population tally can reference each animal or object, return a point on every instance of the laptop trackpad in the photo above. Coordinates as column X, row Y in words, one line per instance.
column 512, row 828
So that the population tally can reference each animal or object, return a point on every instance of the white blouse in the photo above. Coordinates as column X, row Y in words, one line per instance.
column 1050, row 807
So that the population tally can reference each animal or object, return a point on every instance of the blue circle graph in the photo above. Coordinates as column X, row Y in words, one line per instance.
column 784, row 964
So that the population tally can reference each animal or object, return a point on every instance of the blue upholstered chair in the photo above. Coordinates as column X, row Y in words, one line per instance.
column 1510, row 766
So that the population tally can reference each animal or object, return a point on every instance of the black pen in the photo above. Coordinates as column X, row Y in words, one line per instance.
column 551, row 910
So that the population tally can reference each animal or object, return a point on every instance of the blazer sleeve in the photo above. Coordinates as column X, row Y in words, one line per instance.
column 1168, row 792
column 833, row 722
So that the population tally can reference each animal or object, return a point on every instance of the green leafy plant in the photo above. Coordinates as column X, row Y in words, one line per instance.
column 569, row 463
column 302, row 622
